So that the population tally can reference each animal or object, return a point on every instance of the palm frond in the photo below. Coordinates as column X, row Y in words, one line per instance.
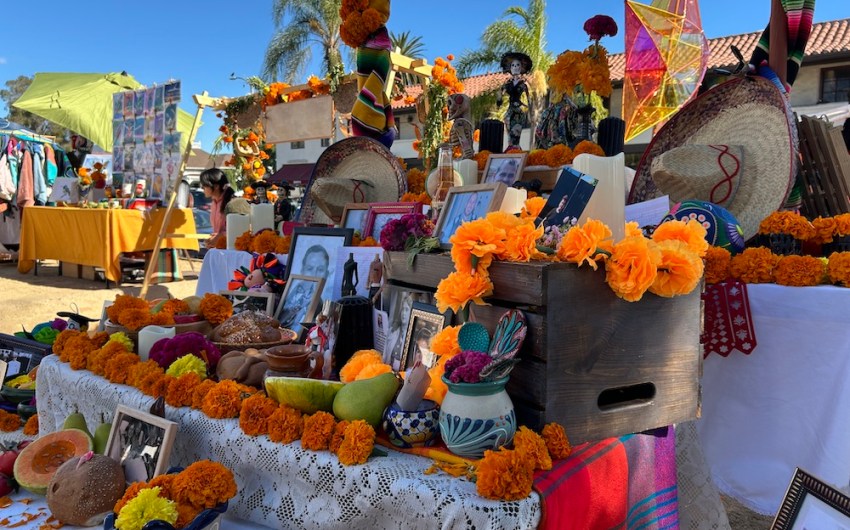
column 286, row 54
column 472, row 61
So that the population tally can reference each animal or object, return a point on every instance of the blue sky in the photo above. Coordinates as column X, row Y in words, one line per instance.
column 202, row 43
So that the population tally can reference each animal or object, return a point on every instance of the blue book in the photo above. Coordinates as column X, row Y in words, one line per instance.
column 568, row 200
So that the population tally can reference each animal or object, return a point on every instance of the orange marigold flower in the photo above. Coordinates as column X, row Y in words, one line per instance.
column 285, row 425
column 457, row 289
column 162, row 319
column 216, row 308
column 199, row 393
column 9, row 422
column 255, row 413
column 478, row 238
column 718, row 261
column 582, row 243
column 360, row 360
column 224, row 400
column 481, row 157
column 754, row 265
column 283, row 244
column 165, row 483
column 679, row 271
column 586, row 146
column 357, row 443
column 437, row 389
column 504, row 475
column 186, row 513
column 632, row 229
column 117, row 367
column 243, row 242
column 532, row 207
column 373, row 370
column 369, row 242
column 318, row 429
column 536, row 157
column 338, row 436
column 445, row 342
column 122, row 302
column 61, row 340
column 839, row 268
column 632, row 267
column 130, row 494
column 204, row 484
column 521, row 244
column 825, row 228
column 175, row 306
column 691, row 233
column 799, row 271
column 135, row 319
column 556, row 441
column 180, row 389
column 842, row 224
column 140, row 370
column 265, row 241
column 558, row 155
column 31, row 426
column 150, row 381
column 476, row 135
column 787, row 222
column 533, row 447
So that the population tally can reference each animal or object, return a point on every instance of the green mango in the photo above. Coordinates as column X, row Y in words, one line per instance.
column 366, row 399
column 101, row 436
column 77, row 421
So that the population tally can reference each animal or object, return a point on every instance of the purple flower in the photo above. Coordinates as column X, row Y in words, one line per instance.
column 396, row 233
column 466, row 366
column 166, row 351
column 59, row 324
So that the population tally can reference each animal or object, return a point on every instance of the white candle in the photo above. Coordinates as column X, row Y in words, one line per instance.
column 148, row 336
column 262, row 217
column 468, row 170
column 608, row 203
column 513, row 200
column 237, row 224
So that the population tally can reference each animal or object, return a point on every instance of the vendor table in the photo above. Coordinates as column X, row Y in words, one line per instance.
column 284, row 486
column 97, row 237
column 782, row 406
column 218, row 268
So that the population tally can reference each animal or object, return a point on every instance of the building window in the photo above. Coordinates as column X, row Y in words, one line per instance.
column 296, row 145
column 835, row 84
column 326, row 142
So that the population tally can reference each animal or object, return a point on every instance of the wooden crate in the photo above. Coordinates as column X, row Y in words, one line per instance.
column 598, row 365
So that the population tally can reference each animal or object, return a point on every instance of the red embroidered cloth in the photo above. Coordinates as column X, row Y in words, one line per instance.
column 728, row 322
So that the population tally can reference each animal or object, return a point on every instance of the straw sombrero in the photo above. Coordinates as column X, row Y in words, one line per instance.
column 734, row 146
column 356, row 169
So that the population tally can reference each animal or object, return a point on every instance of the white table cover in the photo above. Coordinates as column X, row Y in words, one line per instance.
column 781, row 407
column 218, row 266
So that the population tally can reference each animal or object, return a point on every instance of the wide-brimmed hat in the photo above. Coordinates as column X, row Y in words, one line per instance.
column 735, row 146
column 510, row 56
column 357, row 169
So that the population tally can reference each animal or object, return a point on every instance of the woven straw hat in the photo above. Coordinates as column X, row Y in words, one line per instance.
column 746, row 160
column 356, row 169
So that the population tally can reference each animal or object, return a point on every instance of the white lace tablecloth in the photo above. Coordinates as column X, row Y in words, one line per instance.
column 284, row 486
column 218, row 268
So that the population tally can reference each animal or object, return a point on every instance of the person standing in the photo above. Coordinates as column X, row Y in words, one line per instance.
column 217, row 188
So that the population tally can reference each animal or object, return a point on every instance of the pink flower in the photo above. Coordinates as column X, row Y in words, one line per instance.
column 599, row 26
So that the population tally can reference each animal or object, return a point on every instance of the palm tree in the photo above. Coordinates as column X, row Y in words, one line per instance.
column 517, row 30
column 410, row 46
column 303, row 25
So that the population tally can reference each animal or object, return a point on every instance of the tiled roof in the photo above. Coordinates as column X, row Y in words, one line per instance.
column 826, row 38
column 204, row 160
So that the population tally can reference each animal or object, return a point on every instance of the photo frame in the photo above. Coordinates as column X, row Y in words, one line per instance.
column 380, row 213
column 299, row 302
column 21, row 355
column 354, row 216
column 505, row 168
column 141, row 442
column 313, row 253
column 251, row 301
column 812, row 503
column 398, row 301
column 425, row 321
column 467, row 203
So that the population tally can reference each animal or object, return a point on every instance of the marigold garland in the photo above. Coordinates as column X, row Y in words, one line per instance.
column 216, row 308
column 586, row 146
column 799, row 271
column 504, row 475
column 9, row 422
column 199, row 393
column 357, row 444
column 180, row 390
column 787, row 222
column 718, row 262
column 31, row 426
column 224, row 400
column 338, row 436
column 255, row 413
column 137, row 372
column 754, row 265
column 839, row 268
column 556, row 440
column 285, row 425
column 318, row 429
column 244, row 241
column 117, row 367
column 204, row 484
column 533, row 447
column 584, row 243
column 679, row 270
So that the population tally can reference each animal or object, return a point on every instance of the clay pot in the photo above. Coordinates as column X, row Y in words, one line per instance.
column 293, row 360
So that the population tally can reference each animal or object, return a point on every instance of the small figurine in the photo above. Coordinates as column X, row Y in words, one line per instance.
column 460, row 112
column 350, row 277
column 376, row 273
column 516, row 117
column 76, row 321
column 264, row 273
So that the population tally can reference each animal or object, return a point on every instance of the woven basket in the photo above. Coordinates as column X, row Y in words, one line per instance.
column 345, row 96
column 248, row 118
column 287, row 336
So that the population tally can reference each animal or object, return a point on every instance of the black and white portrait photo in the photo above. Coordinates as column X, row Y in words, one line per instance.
column 141, row 442
column 313, row 253
column 299, row 302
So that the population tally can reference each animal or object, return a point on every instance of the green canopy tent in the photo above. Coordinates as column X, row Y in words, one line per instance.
column 83, row 103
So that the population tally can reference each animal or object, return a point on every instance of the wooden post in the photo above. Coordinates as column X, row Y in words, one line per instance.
column 202, row 100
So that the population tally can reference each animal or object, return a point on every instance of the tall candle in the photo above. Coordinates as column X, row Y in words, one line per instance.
column 513, row 200
column 148, row 336
column 608, row 202
column 262, row 217
column 237, row 224
column 468, row 170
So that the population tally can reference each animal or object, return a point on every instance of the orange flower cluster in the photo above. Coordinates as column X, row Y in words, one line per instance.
column 839, row 268
column 632, row 267
column 180, row 390
column 416, row 181
column 357, row 443
column 317, row 86
column 790, row 223
column 586, row 71
column 443, row 73
column 224, row 400
column 360, row 18
column 679, row 270
column 754, row 265
column 481, row 157
column 203, row 485
column 586, row 146
column 216, row 308
column 9, row 422
column 532, row 207
column 718, row 263
column 566, row 72
column 31, row 426
column 318, row 429
column 274, row 94
column 364, row 364
column 423, row 198
column 255, row 414
column 596, row 77
column 556, row 156
column 285, row 425
column 827, row 228
column 556, row 441
column 589, row 243
column 799, row 271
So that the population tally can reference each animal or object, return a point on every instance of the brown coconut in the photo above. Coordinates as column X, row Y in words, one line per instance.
column 82, row 492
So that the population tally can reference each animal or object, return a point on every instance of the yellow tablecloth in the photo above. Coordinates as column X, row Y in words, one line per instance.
column 97, row 237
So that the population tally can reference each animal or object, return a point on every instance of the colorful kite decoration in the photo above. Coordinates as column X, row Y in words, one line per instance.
column 666, row 58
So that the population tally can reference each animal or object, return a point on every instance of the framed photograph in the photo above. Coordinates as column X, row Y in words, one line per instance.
column 397, row 302
column 810, row 503
column 506, row 168
column 141, row 442
column 381, row 213
column 425, row 321
column 329, row 326
column 251, row 301
column 21, row 355
column 354, row 216
column 299, row 302
column 568, row 200
column 467, row 203
column 313, row 253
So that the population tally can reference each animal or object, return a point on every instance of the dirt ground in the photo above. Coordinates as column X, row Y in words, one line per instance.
column 26, row 300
